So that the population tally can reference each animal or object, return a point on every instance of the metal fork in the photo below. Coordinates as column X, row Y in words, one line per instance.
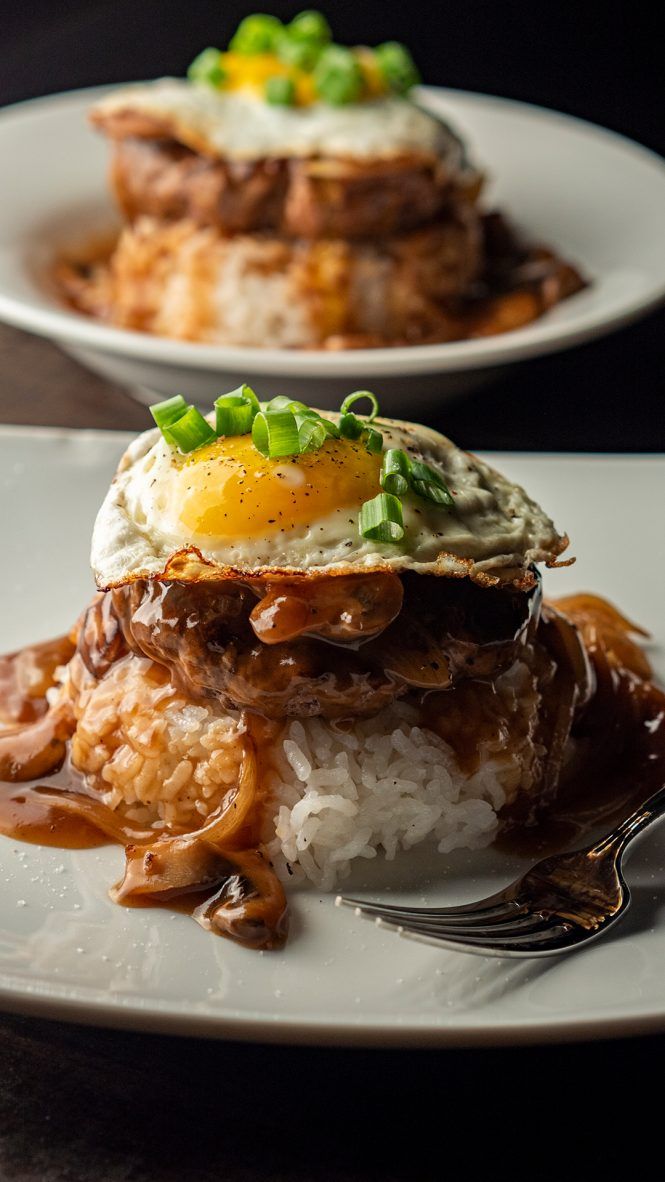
column 560, row 904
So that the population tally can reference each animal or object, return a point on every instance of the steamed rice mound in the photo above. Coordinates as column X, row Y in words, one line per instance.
column 158, row 758
column 333, row 793
column 180, row 280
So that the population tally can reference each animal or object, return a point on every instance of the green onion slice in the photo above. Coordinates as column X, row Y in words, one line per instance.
column 207, row 68
column 190, row 431
column 395, row 472
column 302, row 54
column 331, row 429
column 235, row 411
column 337, row 76
column 300, row 408
column 280, row 402
column 280, row 91
column 312, row 433
column 429, row 484
column 350, row 426
column 258, row 33
column 355, row 397
column 169, row 411
column 310, row 25
column 397, row 66
column 275, row 434
column 247, row 393
column 380, row 520
column 301, row 411
column 373, row 440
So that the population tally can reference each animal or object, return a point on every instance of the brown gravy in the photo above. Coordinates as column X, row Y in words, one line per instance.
column 43, row 800
column 605, row 785
column 25, row 677
column 219, row 875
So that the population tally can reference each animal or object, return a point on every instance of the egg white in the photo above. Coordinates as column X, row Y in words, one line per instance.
column 240, row 126
column 494, row 532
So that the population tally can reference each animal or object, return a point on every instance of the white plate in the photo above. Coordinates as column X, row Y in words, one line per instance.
column 595, row 196
column 67, row 951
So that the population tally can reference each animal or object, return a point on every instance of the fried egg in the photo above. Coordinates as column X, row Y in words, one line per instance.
column 226, row 509
column 241, row 126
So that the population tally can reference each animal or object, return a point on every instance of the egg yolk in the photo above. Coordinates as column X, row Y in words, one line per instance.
column 229, row 490
column 252, row 71
column 244, row 71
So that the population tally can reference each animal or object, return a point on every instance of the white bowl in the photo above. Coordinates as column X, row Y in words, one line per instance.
column 596, row 197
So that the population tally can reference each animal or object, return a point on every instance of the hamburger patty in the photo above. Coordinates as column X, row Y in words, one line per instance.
column 296, row 198
column 336, row 647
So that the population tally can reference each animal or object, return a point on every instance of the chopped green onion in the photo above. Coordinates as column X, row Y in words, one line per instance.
column 258, row 33
column 337, row 77
column 312, row 430
column 331, row 429
column 428, row 484
column 355, row 397
column 373, row 440
column 312, row 433
column 301, row 411
column 280, row 91
column 235, row 411
column 247, row 392
column 397, row 66
column 395, row 472
column 302, row 54
column 350, row 426
column 310, row 26
column 304, row 39
column 300, row 408
column 380, row 519
column 275, row 434
column 181, row 424
column 169, row 411
column 207, row 68
column 279, row 402
column 190, row 431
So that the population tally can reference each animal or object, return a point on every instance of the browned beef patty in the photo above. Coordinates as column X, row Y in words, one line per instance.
column 336, row 647
column 308, row 198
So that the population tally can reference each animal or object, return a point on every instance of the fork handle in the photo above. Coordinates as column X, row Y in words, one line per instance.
column 651, row 810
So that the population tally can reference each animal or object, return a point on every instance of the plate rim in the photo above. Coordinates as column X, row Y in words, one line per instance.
column 171, row 1020
column 539, row 339
column 92, row 1007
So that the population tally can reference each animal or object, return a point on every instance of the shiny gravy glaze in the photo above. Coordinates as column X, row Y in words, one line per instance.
column 219, row 874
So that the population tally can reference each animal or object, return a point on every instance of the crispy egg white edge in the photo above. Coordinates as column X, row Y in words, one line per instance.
column 243, row 127
column 495, row 530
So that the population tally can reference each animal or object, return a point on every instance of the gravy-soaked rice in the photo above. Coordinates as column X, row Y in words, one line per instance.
column 333, row 793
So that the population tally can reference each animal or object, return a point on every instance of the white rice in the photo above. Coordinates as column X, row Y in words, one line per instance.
column 335, row 793
column 178, row 280
column 386, row 785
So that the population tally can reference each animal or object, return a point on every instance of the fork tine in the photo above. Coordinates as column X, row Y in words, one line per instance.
column 509, row 913
column 514, row 924
column 509, row 926
column 525, row 925
column 495, row 905
column 548, row 942
column 548, row 931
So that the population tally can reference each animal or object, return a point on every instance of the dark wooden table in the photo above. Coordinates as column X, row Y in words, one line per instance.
column 604, row 396
column 85, row 1104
